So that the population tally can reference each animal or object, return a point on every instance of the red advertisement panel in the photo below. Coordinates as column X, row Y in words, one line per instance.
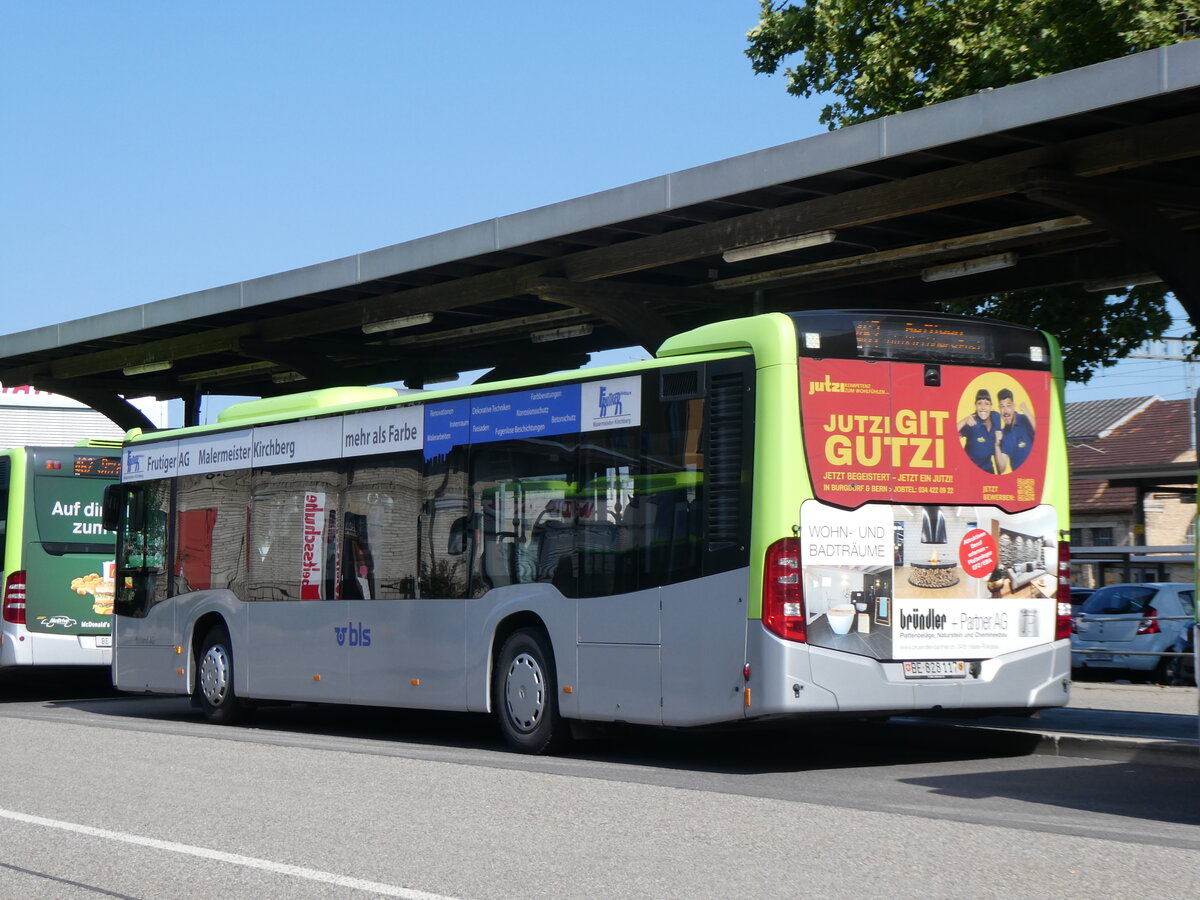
column 913, row 433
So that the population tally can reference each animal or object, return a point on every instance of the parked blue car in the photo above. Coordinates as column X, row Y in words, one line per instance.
column 1127, row 626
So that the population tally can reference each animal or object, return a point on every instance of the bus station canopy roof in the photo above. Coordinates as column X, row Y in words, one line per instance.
column 1088, row 177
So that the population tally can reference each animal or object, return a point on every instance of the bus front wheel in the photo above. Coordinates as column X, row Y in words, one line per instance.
column 214, row 679
column 524, row 695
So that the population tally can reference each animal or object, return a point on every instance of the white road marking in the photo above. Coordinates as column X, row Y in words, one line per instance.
column 250, row 862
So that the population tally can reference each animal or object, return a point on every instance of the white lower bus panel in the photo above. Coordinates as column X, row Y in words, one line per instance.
column 798, row 679
column 672, row 656
column 19, row 647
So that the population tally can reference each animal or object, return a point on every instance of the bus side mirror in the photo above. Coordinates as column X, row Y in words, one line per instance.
column 110, row 513
column 457, row 544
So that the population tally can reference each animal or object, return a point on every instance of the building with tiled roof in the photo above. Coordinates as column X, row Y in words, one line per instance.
column 1133, row 484
column 1088, row 420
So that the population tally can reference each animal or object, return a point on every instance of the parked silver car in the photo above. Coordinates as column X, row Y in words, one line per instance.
column 1119, row 623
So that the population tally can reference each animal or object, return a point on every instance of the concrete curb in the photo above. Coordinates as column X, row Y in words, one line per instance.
column 1147, row 751
column 1121, row 748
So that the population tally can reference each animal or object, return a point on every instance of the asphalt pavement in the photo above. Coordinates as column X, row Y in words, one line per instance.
column 1146, row 723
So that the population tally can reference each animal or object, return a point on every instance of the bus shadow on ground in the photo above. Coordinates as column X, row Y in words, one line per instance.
column 749, row 749
column 796, row 747
column 49, row 683
column 1139, row 791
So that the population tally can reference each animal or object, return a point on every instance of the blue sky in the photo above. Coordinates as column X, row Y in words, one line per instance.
column 150, row 149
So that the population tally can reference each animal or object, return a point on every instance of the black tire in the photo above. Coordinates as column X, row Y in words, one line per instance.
column 1170, row 671
column 214, row 679
column 525, row 694
column 1174, row 672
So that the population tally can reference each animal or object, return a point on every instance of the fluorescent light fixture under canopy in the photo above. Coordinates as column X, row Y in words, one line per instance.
column 397, row 323
column 969, row 267
column 782, row 245
column 560, row 334
column 146, row 368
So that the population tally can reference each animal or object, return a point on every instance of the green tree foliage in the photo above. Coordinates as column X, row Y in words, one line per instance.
column 1095, row 331
column 877, row 57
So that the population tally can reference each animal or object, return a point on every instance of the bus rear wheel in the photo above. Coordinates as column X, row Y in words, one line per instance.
column 214, row 679
column 524, row 694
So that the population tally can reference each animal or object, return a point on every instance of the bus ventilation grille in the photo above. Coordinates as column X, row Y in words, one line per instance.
column 681, row 384
column 724, row 464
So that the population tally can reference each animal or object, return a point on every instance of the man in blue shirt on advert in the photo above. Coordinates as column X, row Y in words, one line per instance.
column 1015, row 440
column 982, row 430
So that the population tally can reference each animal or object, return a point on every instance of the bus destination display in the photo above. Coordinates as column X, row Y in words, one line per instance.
column 891, row 339
column 98, row 466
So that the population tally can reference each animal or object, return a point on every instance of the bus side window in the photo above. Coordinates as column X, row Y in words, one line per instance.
column 446, row 525
column 141, row 576
column 193, row 549
column 294, row 532
column 133, row 532
column 210, row 531
column 379, row 545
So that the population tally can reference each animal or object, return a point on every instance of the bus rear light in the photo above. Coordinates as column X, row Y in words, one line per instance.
column 1149, row 623
column 783, row 591
column 14, row 598
column 1063, row 624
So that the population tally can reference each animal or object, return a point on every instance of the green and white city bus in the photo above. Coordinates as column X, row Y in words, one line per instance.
column 57, row 559
column 803, row 515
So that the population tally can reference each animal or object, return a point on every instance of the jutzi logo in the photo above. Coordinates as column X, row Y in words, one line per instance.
column 357, row 635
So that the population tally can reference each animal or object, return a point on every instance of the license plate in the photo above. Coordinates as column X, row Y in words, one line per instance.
column 104, row 640
column 1099, row 657
column 935, row 668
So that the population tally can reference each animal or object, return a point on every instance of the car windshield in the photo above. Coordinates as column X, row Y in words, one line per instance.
column 1119, row 598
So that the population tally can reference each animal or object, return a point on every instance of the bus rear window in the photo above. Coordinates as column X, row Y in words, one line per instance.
column 67, row 514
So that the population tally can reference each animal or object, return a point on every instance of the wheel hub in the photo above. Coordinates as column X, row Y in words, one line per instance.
column 214, row 675
column 525, row 692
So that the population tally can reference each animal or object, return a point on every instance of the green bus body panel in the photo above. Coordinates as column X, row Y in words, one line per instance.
column 307, row 402
column 1057, row 484
column 14, row 533
column 780, row 476
column 54, row 603
column 65, row 511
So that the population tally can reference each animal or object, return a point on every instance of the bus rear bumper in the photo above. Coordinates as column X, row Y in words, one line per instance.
column 19, row 647
column 1035, row 678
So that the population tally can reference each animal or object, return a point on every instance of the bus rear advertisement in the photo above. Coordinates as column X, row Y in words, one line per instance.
column 58, row 561
column 905, row 517
column 780, row 517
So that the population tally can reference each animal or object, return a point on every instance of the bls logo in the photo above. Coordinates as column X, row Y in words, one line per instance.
column 359, row 636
